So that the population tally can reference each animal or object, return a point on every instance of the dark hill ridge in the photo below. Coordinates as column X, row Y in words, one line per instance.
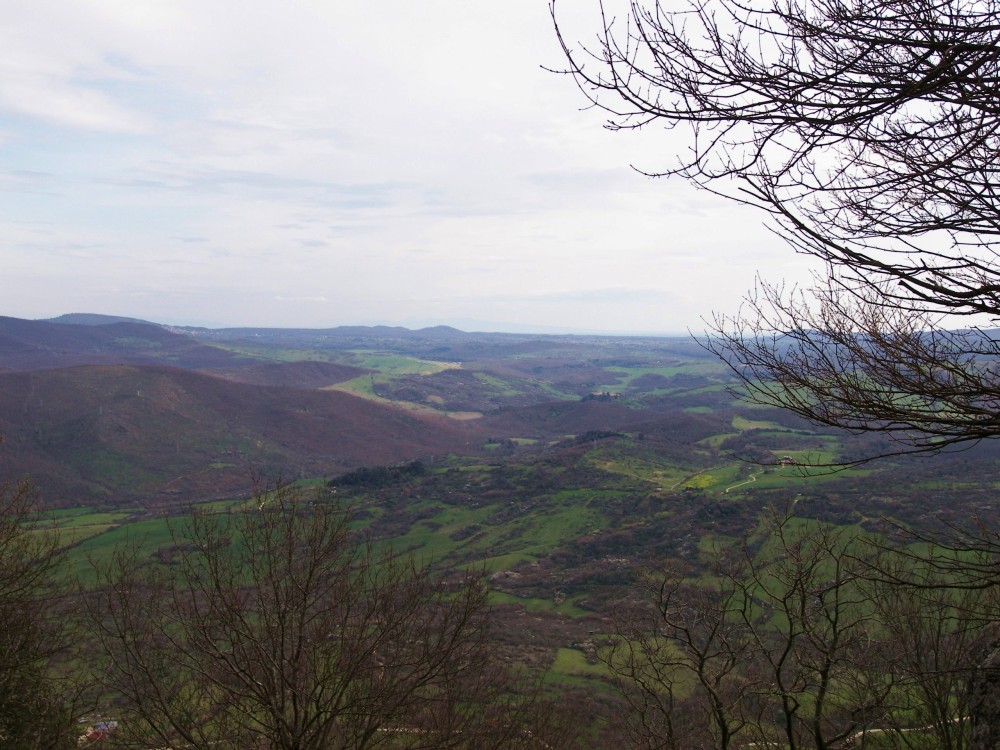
column 341, row 332
column 305, row 374
column 37, row 345
column 94, row 319
column 560, row 418
column 126, row 431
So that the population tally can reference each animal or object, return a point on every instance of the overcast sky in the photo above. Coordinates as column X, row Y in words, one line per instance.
column 336, row 162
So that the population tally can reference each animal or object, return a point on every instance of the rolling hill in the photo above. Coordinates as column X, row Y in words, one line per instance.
column 35, row 345
column 99, row 408
column 126, row 431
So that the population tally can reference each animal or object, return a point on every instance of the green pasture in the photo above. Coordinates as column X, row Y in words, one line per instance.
column 629, row 374
column 149, row 535
column 74, row 529
column 70, row 517
column 726, row 474
column 568, row 607
column 665, row 476
column 92, row 537
column 499, row 546
column 713, row 389
column 387, row 367
column 431, row 538
column 73, row 526
column 398, row 365
column 277, row 354
column 504, row 387
column 647, row 466
column 510, row 388
column 505, row 561
column 741, row 424
column 782, row 477
column 556, row 393
column 570, row 668
column 714, row 441
column 365, row 386
column 715, row 480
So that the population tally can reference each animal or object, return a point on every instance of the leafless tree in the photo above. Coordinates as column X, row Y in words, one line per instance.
column 36, row 699
column 273, row 627
column 937, row 628
column 868, row 132
column 678, row 659
column 849, row 360
column 945, row 593
column 818, row 646
column 804, row 637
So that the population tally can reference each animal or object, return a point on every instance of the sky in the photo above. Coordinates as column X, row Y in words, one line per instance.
column 314, row 164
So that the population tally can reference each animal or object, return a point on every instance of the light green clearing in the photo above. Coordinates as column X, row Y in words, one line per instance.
column 503, row 387
column 658, row 472
column 396, row 365
column 390, row 366
column 628, row 374
column 720, row 478
column 149, row 535
column 500, row 546
column 364, row 388
column 711, row 389
column 713, row 479
column 66, row 519
column 76, row 524
column 275, row 354
column 716, row 440
column 431, row 538
column 568, row 607
column 74, row 534
column 742, row 423
column 570, row 667
column 557, row 394
column 786, row 476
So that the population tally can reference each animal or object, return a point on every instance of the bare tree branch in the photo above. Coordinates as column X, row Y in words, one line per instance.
column 869, row 133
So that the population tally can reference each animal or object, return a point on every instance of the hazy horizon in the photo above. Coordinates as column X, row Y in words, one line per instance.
column 466, row 326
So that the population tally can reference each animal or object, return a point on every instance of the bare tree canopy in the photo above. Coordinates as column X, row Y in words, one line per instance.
column 810, row 636
column 36, row 700
column 868, row 131
column 273, row 627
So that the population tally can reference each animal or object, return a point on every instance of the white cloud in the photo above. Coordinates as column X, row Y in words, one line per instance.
column 321, row 163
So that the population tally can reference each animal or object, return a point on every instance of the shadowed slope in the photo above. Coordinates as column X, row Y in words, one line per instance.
column 119, row 431
column 305, row 374
column 38, row 345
